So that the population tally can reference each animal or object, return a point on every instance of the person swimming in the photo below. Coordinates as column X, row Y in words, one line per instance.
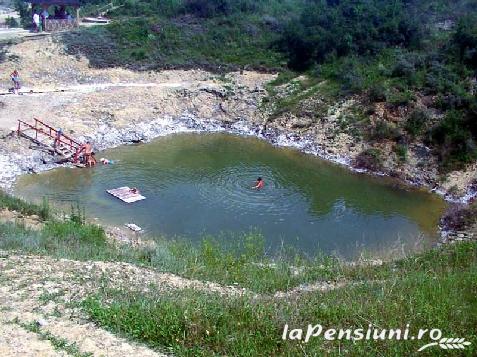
column 259, row 184
column 106, row 161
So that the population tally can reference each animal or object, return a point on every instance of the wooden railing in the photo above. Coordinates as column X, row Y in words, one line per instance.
column 41, row 128
column 52, row 25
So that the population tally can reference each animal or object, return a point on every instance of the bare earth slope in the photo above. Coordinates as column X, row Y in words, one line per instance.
column 38, row 296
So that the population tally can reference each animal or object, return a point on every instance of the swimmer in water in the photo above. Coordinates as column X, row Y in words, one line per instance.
column 259, row 184
column 106, row 161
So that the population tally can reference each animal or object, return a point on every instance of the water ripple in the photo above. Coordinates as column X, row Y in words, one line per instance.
column 232, row 187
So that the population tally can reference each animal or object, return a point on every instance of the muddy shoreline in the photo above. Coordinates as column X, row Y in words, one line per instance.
column 107, row 137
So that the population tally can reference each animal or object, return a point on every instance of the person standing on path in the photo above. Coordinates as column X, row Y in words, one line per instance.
column 16, row 81
column 36, row 22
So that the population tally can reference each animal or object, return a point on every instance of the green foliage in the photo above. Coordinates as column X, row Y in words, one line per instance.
column 401, row 152
column 11, row 22
column 432, row 290
column 377, row 92
column 454, row 139
column 399, row 97
column 59, row 344
column 325, row 30
column 416, row 122
column 26, row 208
column 244, row 263
column 190, row 323
column 465, row 40
column 383, row 130
column 24, row 11
column 216, row 44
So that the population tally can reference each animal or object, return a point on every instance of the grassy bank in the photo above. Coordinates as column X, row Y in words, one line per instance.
column 192, row 323
column 26, row 208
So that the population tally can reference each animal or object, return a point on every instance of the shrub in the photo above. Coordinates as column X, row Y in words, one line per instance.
column 24, row 11
column 454, row 140
column 370, row 159
column 405, row 66
column 11, row 22
column 377, row 92
column 384, row 131
column 416, row 121
column 401, row 152
column 19, row 205
column 458, row 217
column 465, row 39
column 399, row 98
column 207, row 8
column 348, row 27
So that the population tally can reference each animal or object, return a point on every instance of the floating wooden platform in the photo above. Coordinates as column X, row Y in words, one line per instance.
column 125, row 194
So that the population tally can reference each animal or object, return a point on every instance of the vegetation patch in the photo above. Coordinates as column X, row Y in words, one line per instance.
column 196, row 323
column 370, row 159
column 26, row 208
column 59, row 344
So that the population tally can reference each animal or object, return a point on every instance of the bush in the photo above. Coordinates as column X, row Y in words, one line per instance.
column 24, row 11
column 377, row 92
column 348, row 27
column 401, row 152
column 370, row 159
column 454, row 140
column 405, row 66
column 26, row 208
column 458, row 217
column 416, row 122
column 399, row 98
column 465, row 39
column 207, row 8
column 384, row 131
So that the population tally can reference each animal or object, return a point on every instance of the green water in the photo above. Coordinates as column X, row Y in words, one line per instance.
column 199, row 184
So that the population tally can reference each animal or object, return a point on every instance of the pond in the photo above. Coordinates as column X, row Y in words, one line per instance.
column 200, row 184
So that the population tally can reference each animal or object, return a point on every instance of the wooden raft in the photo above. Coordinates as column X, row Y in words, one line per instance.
column 125, row 194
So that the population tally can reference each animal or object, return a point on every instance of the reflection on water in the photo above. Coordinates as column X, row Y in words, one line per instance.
column 199, row 184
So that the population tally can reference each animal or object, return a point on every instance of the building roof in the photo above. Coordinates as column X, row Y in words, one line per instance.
column 54, row 2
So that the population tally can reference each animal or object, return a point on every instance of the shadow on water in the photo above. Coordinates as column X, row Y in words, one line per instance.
column 200, row 184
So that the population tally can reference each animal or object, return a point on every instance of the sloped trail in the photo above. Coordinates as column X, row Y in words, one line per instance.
column 35, row 293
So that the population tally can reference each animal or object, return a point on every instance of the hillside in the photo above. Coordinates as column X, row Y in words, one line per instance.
column 405, row 70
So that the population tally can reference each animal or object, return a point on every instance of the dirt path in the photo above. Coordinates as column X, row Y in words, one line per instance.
column 36, row 314
column 35, row 317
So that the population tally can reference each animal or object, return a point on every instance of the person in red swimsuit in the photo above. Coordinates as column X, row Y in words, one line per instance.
column 259, row 184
